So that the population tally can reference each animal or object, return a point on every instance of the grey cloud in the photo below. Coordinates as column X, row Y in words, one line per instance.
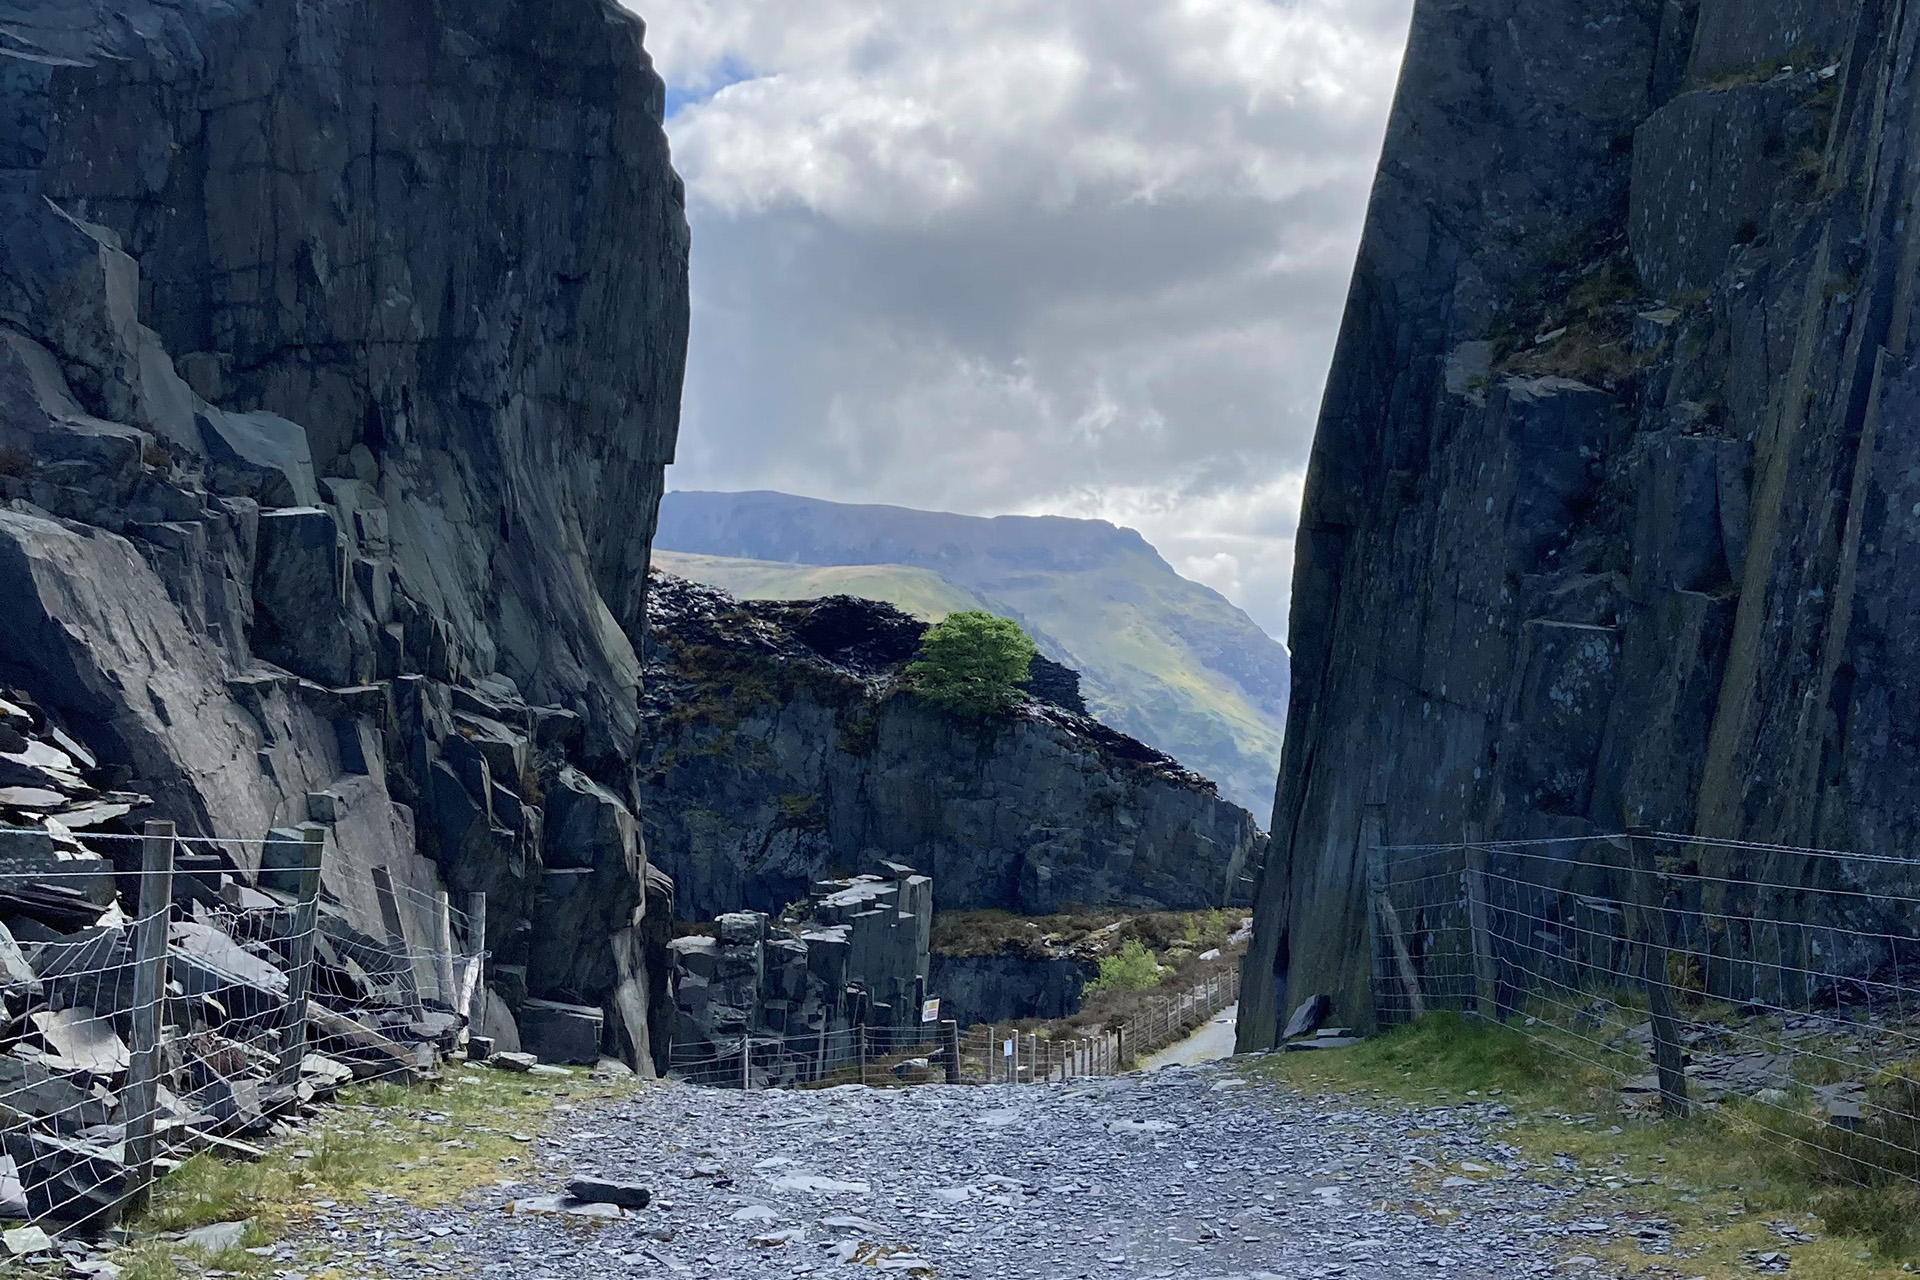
column 1116, row 302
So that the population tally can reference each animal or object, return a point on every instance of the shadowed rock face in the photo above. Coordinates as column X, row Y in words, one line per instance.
column 1613, row 479
column 340, row 357
column 782, row 750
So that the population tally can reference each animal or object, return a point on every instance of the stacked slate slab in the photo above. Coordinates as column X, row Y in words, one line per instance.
column 790, row 1002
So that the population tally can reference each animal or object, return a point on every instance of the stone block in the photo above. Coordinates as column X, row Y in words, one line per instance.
column 299, row 595
column 565, row 1033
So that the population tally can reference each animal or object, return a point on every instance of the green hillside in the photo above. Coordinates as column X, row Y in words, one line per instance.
column 1163, row 658
column 916, row 591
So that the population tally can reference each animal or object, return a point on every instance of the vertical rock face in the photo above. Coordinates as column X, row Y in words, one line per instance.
column 1611, row 485
column 340, row 357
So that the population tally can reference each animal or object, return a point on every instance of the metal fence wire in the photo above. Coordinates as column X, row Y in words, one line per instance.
column 160, row 1001
column 994, row 1055
column 1686, row 972
column 940, row 1052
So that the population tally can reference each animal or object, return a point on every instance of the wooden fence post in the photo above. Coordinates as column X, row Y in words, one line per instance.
column 1403, row 961
column 1486, row 982
column 950, row 1039
column 140, row 1100
column 306, row 922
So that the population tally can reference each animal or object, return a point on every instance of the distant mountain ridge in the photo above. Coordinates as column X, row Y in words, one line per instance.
column 1165, row 659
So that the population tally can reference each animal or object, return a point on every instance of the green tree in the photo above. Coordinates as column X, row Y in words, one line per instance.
column 973, row 664
column 1132, row 968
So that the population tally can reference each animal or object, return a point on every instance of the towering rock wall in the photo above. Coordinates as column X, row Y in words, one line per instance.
column 1615, row 473
column 340, row 357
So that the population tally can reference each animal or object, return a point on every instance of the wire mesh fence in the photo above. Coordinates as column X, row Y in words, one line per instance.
column 1686, row 972
column 165, row 995
column 918, row 1053
column 993, row 1055
column 940, row 1052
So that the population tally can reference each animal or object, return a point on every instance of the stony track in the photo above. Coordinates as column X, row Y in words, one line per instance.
column 1185, row 1172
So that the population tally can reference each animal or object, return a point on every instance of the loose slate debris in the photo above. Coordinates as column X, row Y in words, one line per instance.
column 67, row 968
column 1252, row 1183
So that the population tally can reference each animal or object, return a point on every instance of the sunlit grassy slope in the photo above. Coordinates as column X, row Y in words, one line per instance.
column 917, row 591
column 1163, row 658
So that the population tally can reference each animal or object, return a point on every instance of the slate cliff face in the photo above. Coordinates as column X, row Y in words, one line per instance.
column 782, row 751
column 1616, row 468
column 340, row 356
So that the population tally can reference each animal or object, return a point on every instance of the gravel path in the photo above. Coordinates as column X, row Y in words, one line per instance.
column 1186, row 1172
column 1213, row 1041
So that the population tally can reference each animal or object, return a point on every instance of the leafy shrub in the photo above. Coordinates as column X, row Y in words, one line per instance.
column 1132, row 968
column 972, row 664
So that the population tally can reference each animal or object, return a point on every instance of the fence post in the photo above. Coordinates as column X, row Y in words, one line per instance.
column 1642, row 898
column 860, row 1043
column 746, row 1062
column 950, row 1040
column 149, row 995
column 306, row 921
column 443, row 949
column 477, row 944
column 1383, row 914
column 1486, row 984
column 396, row 939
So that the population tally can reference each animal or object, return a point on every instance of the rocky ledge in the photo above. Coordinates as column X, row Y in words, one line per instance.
column 783, row 747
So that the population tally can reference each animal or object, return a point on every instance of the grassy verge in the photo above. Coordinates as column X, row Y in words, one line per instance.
column 1725, row 1181
column 427, row 1144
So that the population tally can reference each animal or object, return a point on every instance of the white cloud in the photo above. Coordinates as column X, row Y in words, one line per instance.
column 1027, row 255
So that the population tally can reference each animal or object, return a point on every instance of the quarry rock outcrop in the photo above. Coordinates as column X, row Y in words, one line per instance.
column 1611, row 515
column 340, row 358
column 783, row 748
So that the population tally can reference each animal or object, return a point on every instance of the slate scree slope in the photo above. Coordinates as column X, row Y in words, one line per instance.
column 340, row 356
column 1614, row 509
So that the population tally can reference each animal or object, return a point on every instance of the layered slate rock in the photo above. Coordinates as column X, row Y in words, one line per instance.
column 784, row 747
column 1611, row 515
column 840, row 976
column 340, row 358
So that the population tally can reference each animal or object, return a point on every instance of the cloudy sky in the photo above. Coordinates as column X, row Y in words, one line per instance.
column 1074, row 257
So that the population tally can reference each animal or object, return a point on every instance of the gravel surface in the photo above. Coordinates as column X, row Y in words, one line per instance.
column 1185, row 1172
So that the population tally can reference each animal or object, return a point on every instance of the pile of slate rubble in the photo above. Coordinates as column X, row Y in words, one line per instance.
column 68, row 894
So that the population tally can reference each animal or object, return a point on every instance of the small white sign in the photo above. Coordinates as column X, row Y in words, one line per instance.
column 930, row 1010
column 1006, row 1049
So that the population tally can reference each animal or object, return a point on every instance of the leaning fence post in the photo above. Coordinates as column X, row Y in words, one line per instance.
column 1486, row 985
column 149, row 992
column 1403, row 961
column 1642, row 902
column 306, row 908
